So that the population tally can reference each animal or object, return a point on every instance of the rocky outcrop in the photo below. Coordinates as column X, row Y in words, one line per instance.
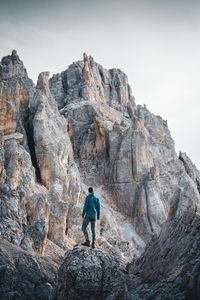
column 170, row 265
column 24, row 275
column 11, row 66
column 39, row 179
column 16, row 90
column 191, row 169
column 98, row 137
column 168, row 268
column 24, row 207
column 24, row 211
column 90, row 274
column 122, row 146
column 54, row 156
column 90, row 81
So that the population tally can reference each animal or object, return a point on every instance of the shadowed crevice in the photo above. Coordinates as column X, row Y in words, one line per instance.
column 31, row 144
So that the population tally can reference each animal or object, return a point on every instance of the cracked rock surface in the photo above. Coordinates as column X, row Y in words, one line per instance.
column 169, row 268
column 90, row 274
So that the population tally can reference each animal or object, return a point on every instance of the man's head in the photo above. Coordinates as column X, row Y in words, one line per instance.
column 90, row 190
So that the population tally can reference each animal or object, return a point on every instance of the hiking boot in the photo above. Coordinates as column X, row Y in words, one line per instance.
column 93, row 245
column 87, row 243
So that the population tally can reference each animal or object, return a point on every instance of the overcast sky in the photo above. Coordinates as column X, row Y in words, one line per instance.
column 155, row 42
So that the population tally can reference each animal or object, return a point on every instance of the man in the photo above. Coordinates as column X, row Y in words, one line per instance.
column 90, row 210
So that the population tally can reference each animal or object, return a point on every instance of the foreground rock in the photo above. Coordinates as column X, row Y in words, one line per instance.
column 90, row 274
column 25, row 275
column 170, row 265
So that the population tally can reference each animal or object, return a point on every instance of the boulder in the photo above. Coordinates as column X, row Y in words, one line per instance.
column 90, row 274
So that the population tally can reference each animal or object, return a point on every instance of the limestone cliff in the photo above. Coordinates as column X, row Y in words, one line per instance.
column 123, row 147
column 82, row 127
column 16, row 90
column 39, row 179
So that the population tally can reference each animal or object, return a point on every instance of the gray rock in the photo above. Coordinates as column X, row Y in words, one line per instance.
column 24, row 275
column 11, row 66
column 16, row 90
column 169, row 260
column 90, row 274
column 98, row 137
column 123, row 146
column 191, row 169
column 54, row 156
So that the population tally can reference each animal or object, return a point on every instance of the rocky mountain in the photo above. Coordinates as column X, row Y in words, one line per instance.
column 122, row 146
column 83, row 128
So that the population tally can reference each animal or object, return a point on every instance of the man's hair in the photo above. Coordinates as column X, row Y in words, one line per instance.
column 90, row 190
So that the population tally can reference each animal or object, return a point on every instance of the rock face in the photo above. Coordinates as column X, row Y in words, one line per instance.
column 169, row 268
column 90, row 274
column 16, row 90
column 24, row 211
column 190, row 169
column 39, row 179
column 25, row 275
column 170, row 265
column 54, row 156
column 12, row 66
column 90, row 81
column 122, row 146
column 82, row 128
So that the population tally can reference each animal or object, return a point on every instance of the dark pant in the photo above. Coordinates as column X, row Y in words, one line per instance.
column 92, row 220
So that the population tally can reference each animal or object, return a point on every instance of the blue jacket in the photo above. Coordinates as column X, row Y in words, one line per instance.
column 91, row 206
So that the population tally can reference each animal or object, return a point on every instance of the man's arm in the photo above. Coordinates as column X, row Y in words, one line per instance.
column 98, row 209
column 85, row 207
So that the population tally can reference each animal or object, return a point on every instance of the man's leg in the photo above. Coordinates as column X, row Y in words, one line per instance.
column 84, row 226
column 93, row 222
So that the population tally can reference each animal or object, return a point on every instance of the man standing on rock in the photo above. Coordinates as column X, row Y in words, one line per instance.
column 90, row 210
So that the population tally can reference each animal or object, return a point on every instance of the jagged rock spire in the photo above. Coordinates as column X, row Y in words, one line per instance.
column 42, row 83
column 11, row 65
column 14, row 53
column 85, row 57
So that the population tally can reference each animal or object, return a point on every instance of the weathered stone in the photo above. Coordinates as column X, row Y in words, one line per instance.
column 54, row 155
column 2, row 157
column 123, row 146
column 48, row 158
column 17, row 136
column 90, row 274
column 11, row 66
column 18, row 165
column 25, row 275
column 169, row 259
column 191, row 169
column 16, row 90
column 57, row 90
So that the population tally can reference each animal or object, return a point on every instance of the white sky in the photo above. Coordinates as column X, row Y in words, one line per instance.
column 155, row 42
